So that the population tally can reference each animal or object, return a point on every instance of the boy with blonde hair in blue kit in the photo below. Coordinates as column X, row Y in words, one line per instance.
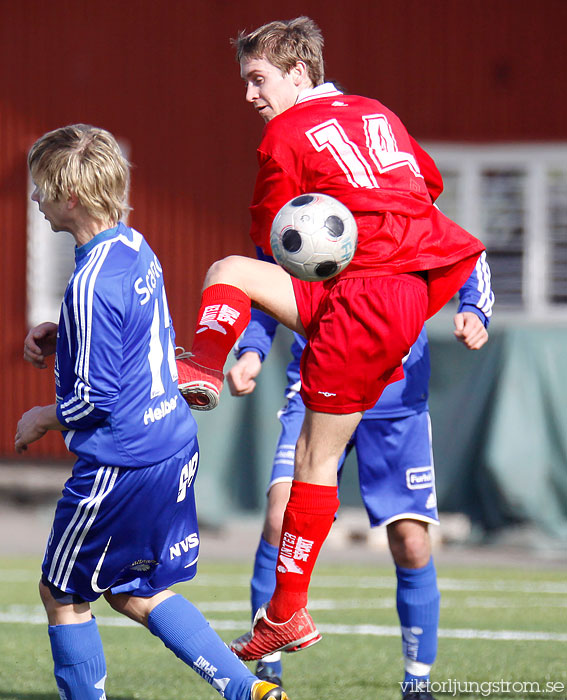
column 126, row 525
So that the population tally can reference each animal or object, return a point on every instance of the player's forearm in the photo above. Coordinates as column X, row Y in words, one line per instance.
column 47, row 418
column 34, row 424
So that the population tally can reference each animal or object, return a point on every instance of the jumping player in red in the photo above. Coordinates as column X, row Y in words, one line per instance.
column 359, row 325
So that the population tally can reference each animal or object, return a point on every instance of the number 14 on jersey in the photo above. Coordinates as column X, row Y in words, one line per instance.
column 380, row 143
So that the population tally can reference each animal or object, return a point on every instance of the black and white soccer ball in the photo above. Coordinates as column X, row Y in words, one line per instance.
column 313, row 237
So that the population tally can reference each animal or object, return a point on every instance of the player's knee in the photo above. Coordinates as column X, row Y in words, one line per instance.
column 62, row 608
column 409, row 543
column 131, row 606
column 116, row 601
column 137, row 608
column 224, row 271
column 315, row 466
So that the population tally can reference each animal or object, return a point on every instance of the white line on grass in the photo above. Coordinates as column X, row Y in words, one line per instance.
column 384, row 582
column 364, row 582
column 19, row 576
column 34, row 615
column 385, row 631
column 477, row 602
column 389, row 603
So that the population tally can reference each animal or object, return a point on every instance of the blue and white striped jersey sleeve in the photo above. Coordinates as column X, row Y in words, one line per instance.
column 476, row 294
column 92, row 351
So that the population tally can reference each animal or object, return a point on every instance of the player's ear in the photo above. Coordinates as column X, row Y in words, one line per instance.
column 72, row 201
column 299, row 73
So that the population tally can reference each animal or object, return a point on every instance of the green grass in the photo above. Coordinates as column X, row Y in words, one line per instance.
column 354, row 664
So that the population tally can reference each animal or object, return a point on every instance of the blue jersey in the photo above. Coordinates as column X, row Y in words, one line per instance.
column 115, row 372
column 404, row 398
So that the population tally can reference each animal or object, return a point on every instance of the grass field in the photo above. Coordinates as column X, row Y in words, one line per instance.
column 498, row 626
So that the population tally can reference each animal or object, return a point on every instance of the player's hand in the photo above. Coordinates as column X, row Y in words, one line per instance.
column 32, row 426
column 470, row 330
column 39, row 343
column 241, row 375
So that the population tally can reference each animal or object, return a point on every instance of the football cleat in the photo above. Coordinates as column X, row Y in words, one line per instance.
column 265, row 672
column 262, row 690
column 199, row 385
column 418, row 693
column 266, row 637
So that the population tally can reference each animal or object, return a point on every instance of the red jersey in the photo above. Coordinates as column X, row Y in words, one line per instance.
column 358, row 151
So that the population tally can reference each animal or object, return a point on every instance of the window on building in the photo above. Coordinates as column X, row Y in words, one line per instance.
column 514, row 198
column 50, row 262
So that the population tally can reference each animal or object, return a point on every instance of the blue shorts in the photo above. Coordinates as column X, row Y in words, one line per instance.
column 395, row 463
column 125, row 530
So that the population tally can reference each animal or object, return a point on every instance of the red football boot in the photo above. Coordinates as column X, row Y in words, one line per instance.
column 266, row 637
column 200, row 386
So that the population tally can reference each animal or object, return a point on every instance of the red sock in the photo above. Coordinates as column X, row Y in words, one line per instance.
column 223, row 316
column 307, row 520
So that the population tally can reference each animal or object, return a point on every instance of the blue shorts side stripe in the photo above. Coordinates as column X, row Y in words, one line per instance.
column 75, row 533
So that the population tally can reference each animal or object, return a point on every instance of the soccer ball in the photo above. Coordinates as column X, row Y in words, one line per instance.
column 313, row 237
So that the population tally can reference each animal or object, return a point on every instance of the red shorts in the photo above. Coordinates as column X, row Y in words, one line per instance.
column 358, row 329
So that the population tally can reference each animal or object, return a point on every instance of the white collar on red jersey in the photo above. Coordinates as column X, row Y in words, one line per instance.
column 324, row 90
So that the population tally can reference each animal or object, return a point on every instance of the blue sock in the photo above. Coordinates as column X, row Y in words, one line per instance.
column 418, row 609
column 263, row 580
column 184, row 630
column 79, row 665
column 262, row 586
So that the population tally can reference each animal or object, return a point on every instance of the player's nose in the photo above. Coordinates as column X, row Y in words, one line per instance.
column 251, row 93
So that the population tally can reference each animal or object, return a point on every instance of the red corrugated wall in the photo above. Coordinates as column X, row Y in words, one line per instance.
column 161, row 76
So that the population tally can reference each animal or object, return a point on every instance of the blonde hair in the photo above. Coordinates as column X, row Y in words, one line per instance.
column 84, row 161
column 283, row 44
